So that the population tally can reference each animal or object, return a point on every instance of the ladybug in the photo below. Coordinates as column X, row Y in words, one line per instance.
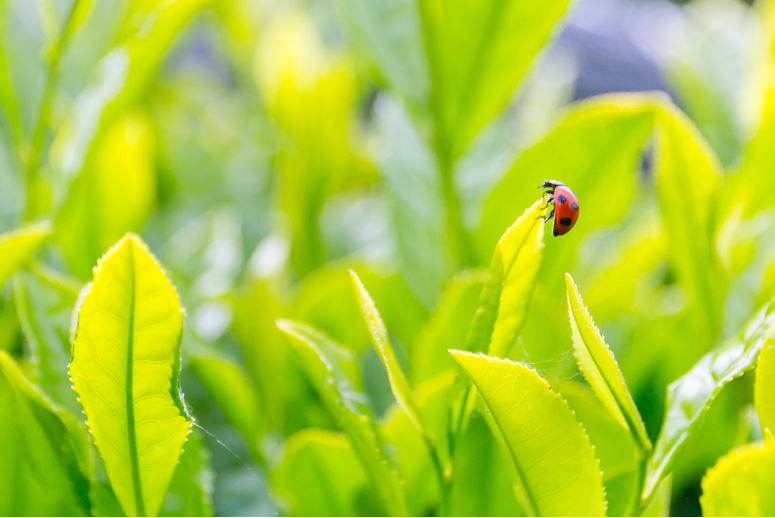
column 565, row 209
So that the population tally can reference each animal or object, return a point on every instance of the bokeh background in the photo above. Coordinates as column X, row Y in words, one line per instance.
column 259, row 149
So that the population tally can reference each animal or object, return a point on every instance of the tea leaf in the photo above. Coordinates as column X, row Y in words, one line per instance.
column 741, row 483
column 126, row 349
column 555, row 469
column 600, row 369
column 690, row 396
column 334, row 373
column 17, row 246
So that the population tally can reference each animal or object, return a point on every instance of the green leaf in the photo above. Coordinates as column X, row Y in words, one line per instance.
column 690, row 397
column 741, row 483
column 17, row 246
column 126, row 357
column 554, row 466
column 764, row 387
column 447, row 325
column 236, row 396
column 506, row 294
column 320, row 475
column 477, row 53
column 334, row 372
column 39, row 470
column 600, row 369
column 688, row 181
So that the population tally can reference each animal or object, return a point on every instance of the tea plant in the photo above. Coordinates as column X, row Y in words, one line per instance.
column 343, row 196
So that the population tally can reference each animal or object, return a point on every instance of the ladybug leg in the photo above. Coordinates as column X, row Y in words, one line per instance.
column 549, row 216
column 548, row 201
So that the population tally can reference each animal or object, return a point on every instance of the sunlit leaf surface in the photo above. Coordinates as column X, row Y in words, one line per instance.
column 554, row 466
column 599, row 367
column 125, row 370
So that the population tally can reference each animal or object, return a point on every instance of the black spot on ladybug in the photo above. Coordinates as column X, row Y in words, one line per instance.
column 561, row 198
column 565, row 222
column 574, row 206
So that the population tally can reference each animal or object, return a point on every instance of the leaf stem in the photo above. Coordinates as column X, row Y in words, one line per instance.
column 637, row 505
column 32, row 169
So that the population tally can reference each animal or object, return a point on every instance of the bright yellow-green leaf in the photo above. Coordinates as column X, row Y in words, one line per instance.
column 764, row 387
column 506, row 294
column 39, row 473
column 555, row 469
column 335, row 374
column 741, row 483
column 17, row 246
column 599, row 367
column 126, row 356
column 690, row 396
column 320, row 476
column 688, row 182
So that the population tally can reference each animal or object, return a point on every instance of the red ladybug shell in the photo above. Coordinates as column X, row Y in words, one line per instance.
column 566, row 210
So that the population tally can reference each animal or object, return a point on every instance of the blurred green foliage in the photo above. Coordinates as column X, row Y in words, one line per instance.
column 335, row 188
